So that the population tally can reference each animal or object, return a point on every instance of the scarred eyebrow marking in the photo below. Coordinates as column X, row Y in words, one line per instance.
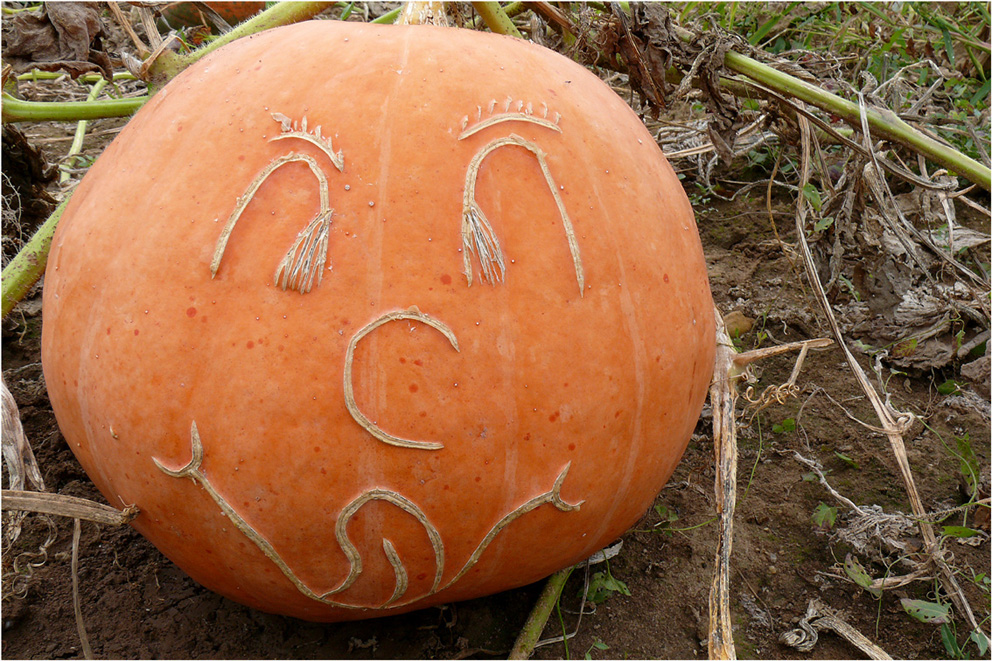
column 521, row 114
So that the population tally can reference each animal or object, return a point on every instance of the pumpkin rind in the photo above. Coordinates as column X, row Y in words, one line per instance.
column 388, row 429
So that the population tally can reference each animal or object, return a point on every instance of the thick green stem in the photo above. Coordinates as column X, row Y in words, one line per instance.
column 19, row 110
column 496, row 19
column 514, row 8
column 531, row 632
column 168, row 64
column 29, row 264
column 884, row 123
column 389, row 17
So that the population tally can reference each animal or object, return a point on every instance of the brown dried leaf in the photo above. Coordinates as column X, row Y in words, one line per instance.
column 64, row 36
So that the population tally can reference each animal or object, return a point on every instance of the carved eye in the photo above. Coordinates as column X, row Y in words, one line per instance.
column 303, row 265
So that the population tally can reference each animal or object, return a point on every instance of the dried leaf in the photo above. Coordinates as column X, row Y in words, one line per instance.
column 19, row 460
column 64, row 36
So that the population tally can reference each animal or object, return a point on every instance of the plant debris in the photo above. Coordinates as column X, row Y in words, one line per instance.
column 63, row 36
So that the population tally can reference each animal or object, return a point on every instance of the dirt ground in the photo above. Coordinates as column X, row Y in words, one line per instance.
column 137, row 604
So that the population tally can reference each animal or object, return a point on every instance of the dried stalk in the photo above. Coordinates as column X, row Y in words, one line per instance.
column 723, row 397
column 423, row 12
column 76, row 605
column 77, row 508
column 894, row 423
column 820, row 617
column 22, row 467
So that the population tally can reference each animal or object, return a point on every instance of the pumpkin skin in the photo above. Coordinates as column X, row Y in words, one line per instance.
column 405, row 433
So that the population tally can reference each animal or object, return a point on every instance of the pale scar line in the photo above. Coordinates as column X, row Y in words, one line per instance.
column 477, row 233
column 303, row 265
column 192, row 471
column 349, row 392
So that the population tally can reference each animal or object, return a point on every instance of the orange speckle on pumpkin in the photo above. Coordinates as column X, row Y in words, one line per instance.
column 402, row 359
column 250, row 345
column 478, row 479
column 413, row 387
column 136, row 331
column 445, row 279
column 191, row 312
column 571, row 446
column 418, row 362
column 665, row 278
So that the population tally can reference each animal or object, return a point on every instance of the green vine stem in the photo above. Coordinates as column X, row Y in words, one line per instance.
column 388, row 17
column 77, row 140
column 531, row 631
column 88, row 78
column 19, row 110
column 28, row 265
column 496, row 19
column 168, row 64
column 883, row 122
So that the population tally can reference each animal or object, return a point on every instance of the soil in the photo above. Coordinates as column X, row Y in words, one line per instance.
column 137, row 604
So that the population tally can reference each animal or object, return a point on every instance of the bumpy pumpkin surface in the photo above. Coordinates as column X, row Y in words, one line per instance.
column 365, row 319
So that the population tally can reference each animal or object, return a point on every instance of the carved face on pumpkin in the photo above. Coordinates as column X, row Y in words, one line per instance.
column 353, row 350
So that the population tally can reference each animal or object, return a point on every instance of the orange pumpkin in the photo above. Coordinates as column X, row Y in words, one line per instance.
column 369, row 318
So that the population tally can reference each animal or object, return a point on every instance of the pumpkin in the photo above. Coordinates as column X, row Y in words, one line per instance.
column 369, row 318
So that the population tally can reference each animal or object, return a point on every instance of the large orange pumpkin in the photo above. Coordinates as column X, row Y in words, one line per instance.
column 365, row 319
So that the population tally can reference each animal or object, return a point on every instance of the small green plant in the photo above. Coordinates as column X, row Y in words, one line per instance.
column 958, row 531
column 948, row 387
column 668, row 517
column 596, row 644
column 847, row 460
column 982, row 580
column 603, row 585
column 812, row 195
column 928, row 612
column 849, row 287
column 787, row 425
column 968, row 464
column 857, row 573
column 824, row 517
column 933, row 612
column 823, row 224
